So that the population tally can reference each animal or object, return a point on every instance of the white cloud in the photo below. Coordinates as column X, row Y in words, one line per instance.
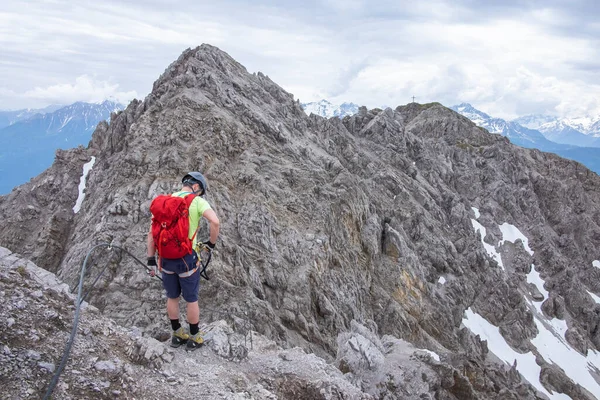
column 6, row 92
column 505, row 58
column 84, row 88
column 506, row 67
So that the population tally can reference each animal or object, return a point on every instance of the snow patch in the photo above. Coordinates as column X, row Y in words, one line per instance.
column 326, row 109
column 442, row 280
column 596, row 298
column 433, row 354
column 582, row 124
column 511, row 233
column 87, row 167
column 550, row 342
column 553, row 347
column 476, row 211
column 491, row 250
column 65, row 122
column 526, row 364
column 577, row 366
column 535, row 278
column 559, row 326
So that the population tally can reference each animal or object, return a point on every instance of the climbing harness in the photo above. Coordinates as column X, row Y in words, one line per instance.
column 204, row 254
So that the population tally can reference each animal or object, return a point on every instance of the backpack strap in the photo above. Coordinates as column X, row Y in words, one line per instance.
column 188, row 202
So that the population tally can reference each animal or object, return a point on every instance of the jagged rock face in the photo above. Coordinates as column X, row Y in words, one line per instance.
column 39, row 215
column 328, row 221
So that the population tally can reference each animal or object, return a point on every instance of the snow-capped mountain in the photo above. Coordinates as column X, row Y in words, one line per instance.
column 325, row 109
column 76, row 119
column 580, row 131
column 588, row 125
column 560, row 132
column 534, row 121
column 517, row 133
column 27, row 146
column 530, row 138
column 585, row 125
column 478, row 117
column 11, row 117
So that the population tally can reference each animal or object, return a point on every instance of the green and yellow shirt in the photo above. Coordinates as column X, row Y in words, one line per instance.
column 197, row 208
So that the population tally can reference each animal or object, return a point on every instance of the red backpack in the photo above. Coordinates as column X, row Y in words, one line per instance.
column 170, row 225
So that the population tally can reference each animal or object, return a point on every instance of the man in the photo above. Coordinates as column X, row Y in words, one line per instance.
column 181, row 276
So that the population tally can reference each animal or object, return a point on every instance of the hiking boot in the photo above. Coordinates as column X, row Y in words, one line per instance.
column 195, row 341
column 179, row 337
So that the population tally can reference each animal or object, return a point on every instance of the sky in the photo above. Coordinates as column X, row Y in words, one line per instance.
column 507, row 58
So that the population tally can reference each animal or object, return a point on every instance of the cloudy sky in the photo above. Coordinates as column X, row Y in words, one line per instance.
column 508, row 58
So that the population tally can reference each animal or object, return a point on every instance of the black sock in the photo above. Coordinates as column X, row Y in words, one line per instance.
column 175, row 324
column 194, row 329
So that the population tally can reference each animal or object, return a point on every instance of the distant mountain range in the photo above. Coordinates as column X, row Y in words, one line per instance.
column 326, row 109
column 518, row 134
column 577, row 131
column 10, row 117
column 589, row 126
column 30, row 138
column 532, row 138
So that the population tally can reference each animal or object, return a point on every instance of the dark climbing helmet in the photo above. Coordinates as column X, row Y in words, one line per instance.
column 195, row 177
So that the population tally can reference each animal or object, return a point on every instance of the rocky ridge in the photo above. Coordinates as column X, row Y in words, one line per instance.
column 109, row 361
column 329, row 221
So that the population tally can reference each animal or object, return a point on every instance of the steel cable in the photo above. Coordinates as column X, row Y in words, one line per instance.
column 80, row 299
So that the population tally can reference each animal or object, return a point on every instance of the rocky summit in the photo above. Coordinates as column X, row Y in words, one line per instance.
column 393, row 254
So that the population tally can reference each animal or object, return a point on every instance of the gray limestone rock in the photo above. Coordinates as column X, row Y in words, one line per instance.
column 577, row 340
column 323, row 222
column 225, row 342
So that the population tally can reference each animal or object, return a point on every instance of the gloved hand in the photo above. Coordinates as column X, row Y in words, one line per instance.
column 209, row 244
column 152, row 263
